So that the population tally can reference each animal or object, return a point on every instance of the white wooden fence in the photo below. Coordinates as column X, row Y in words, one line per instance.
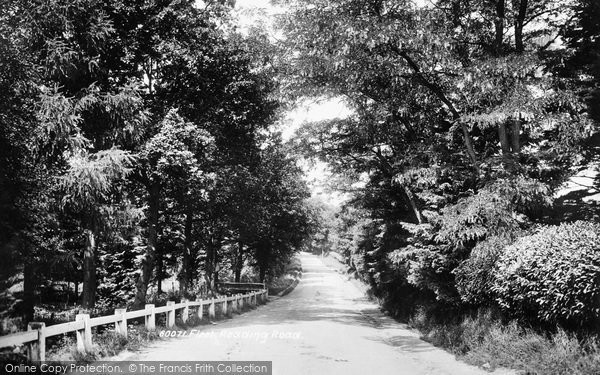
column 35, row 336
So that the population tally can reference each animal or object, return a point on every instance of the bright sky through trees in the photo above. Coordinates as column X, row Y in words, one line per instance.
column 261, row 13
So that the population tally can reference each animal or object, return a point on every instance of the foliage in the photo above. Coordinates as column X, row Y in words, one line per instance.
column 90, row 177
column 552, row 275
column 136, row 144
column 466, row 119
column 498, row 208
column 427, row 268
column 475, row 275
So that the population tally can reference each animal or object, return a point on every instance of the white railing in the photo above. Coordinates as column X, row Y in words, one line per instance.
column 35, row 336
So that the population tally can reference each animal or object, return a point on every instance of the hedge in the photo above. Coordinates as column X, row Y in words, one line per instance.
column 552, row 276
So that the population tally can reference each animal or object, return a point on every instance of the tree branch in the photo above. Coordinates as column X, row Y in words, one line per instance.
column 439, row 92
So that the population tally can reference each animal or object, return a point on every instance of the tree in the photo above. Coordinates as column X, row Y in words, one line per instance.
column 174, row 156
column 174, row 159
column 87, row 185
column 136, row 135
column 284, row 219
column 454, row 108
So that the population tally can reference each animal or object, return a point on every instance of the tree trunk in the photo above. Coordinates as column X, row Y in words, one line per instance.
column 262, row 273
column 263, row 253
column 187, row 262
column 160, row 271
column 215, row 278
column 29, row 285
column 239, row 262
column 521, row 7
column 413, row 204
column 89, row 270
column 519, row 37
column 469, row 145
column 503, row 135
column 499, row 25
column 150, row 255
column 516, row 135
column 210, row 265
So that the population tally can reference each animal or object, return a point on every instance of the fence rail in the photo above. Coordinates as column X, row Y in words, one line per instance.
column 37, row 332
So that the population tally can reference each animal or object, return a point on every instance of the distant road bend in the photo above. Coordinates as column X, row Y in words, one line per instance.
column 325, row 326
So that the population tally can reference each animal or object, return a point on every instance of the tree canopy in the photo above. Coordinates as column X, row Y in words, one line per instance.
column 467, row 118
column 137, row 145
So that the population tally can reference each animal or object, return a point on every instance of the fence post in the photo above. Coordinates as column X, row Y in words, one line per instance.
column 229, row 307
column 150, row 317
column 84, row 336
column 36, row 350
column 200, row 308
column 121, row 323
column 171, row 314
column 233, row 304
column 186, row 311
column 211, row 309
column 224, row 307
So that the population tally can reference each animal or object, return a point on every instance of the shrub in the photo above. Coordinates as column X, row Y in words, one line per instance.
column 475, row 276
column 552, row 276
column 427, row 268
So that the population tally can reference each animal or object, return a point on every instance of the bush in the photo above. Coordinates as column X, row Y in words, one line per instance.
column 475, row 276
column 553, row 276
column 427, row 268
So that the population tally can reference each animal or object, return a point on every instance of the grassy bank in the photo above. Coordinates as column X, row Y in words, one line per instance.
column 288, row 280
column 485, row 341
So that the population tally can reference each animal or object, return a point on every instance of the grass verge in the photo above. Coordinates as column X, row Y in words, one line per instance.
column 485, row 341
column 288, row 281
column 109, row 344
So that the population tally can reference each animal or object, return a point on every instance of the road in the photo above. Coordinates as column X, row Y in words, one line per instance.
column 325, row 326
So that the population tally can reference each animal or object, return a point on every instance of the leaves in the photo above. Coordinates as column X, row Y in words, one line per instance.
column 552, row 275
column 90, row 178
